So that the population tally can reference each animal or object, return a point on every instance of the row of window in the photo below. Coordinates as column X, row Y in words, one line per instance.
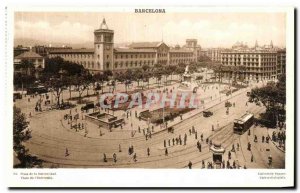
column 181, row 60
column 74, row 55
column 121, row 64
column 134, row 56
column 181, row 55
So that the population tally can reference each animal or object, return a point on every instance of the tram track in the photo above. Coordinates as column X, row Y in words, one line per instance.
column 182, row 126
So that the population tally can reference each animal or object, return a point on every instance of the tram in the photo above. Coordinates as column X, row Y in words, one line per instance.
column 243, row 123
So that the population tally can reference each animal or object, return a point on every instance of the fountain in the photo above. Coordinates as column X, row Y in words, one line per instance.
column 105, row 120
column 187, row 85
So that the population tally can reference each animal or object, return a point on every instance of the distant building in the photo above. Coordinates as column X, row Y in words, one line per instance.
column 44, row 50
column 104, row 56
column 192, row 45
column 29, row 63
column 257, row 63
column 20, row 50
column 281, row 62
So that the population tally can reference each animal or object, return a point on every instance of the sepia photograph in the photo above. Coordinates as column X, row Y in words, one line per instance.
column 151, row 89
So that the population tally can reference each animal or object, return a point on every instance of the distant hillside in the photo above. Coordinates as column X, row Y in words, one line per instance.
column 32, row 42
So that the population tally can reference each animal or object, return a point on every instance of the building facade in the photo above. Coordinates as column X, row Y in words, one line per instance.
column 29, row 63
column 253, row 64
column 104, row 56
column 281, row 62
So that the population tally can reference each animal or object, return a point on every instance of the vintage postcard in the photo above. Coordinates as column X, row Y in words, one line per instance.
column 150, row 97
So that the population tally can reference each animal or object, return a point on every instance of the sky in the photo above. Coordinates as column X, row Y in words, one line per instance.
column 210, row 29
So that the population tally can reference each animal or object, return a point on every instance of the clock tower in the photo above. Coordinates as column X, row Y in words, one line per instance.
column 103, row 43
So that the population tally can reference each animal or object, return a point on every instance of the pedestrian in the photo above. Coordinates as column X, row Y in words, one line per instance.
column 263, row 139
column 120, row 150
column 196, row 135
column 104, row 157
column 173, row 140
column 148, row 151
column 249, row 146
column 212, row 128
column 139, row 128
column 252, row 158
column 165, row 144
column 228, row 164
column 190, row 165
column 237, row 146
column 206, row 140
column 201, row 136
column 229, row 155
column 193, row 129
column 166, row 152
column 115, row 157
column 200, row 148
column 255, row 138
column 233, row 148
column 190, row 131
column 67, row 152
column 134, row 157
column 169, row 142
column 270, row 160
column 203, row 164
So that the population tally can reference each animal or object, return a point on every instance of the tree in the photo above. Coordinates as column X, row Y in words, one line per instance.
column 158, row 72
column 70, row 81
column 273, row 97
column 127, row 78
column 101, row 77
column 20, row 135
column 138, row 76
column 54, row 65
column 81, row 85
column 146, row 73
column 173, row 70
column 56, row 84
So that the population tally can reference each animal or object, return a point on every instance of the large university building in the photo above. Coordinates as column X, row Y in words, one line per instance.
column 104, row 56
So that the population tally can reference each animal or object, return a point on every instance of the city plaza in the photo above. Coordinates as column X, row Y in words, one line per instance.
column 190, row 140
column 141, row 144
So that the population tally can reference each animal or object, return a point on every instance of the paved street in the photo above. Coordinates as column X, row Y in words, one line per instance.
column 51, row 135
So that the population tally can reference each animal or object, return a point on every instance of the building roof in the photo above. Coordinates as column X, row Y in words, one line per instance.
column 145, row 44
column 134, row 50
column 181, row 51
column 28, row 54
column 71, row 51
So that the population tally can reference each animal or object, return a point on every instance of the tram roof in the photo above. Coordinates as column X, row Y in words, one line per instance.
column 244, row 118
